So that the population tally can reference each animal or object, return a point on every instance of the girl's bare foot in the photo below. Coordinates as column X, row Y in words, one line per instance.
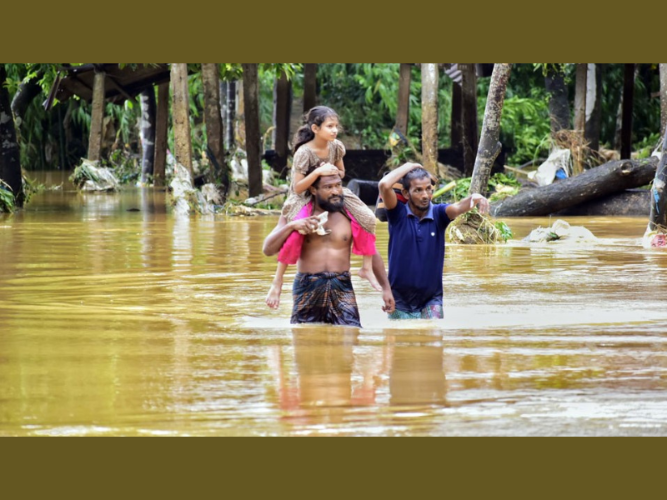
column 368, row 275
column 273, row 298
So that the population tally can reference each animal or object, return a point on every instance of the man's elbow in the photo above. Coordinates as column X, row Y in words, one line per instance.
column 267, row 250
column 384, row 187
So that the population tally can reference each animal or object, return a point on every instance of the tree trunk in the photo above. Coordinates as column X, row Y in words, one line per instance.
column 663, row 98
column 559, row 105
column 161, row 126
column 147, row 133
column 430, row 116
column 403, row 111
column 593, row 106
column 580, row 98
column 281, row 122
column 612, row 177
column 24, row 96
column 489, row 147
column 658, row 215
column 309, row 86
column 456, row 129
column 180, row 110
column 252, row 133
column 213, row 117
column 469, row 117
column 10, row 158
column 97, row 118
column 628, row 98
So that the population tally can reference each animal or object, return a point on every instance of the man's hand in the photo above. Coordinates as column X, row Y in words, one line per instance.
column 389, row 303
column 307, row 225
column 480, row 202
column 327, row 169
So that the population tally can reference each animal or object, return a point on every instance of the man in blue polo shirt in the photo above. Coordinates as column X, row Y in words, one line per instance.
column 417, row 240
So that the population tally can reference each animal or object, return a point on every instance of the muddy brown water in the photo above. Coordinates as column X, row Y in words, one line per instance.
column 118, row 317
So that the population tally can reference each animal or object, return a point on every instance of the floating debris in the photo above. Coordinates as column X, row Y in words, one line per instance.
column 242, row 210
column 90, row 177
column 560, row 231
column 656, row 238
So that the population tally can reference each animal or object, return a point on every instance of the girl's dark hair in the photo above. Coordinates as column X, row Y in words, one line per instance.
column 316, row 116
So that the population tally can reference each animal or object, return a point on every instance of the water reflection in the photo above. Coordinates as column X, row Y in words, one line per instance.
column 416, row 373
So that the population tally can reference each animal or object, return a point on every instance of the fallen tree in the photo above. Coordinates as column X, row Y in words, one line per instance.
column 607, row 179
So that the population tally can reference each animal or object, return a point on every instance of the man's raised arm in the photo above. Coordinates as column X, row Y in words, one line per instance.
column 386, row 185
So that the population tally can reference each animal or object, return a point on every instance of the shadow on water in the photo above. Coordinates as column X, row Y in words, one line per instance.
column 118, row 317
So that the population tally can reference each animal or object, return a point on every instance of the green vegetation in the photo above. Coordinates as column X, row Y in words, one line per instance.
column 364, row 95
column 500, row 186
column 6, row 198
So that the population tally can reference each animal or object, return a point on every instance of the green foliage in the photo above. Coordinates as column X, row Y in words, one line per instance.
column 365, row 97
column 525, row 127
column 504, row 230
column 500, row 184
column 30, row 187
column 645, row 147
column 7, row 202
column 503, row 185
column 125, row 166
column 554, row 67
column 461, row 190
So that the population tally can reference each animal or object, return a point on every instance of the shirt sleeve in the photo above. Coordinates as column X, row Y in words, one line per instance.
column 339, row 151
column 443, row 218
column 394, row 215
column 301, row 161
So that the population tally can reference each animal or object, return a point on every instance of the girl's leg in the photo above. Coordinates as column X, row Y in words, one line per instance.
column 273, row 298
column 366, row 219
column 366, row 272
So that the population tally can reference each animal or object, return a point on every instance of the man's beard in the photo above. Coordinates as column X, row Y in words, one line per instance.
column 328, row 206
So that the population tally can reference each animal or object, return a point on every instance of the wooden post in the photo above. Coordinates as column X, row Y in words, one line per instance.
column 580, row 98
column 430, row 116
column 663, row 97
column 180, row 110
column 403, row 111
column 281, row 121
column 469, row 115
column 239, row 116
column 309, row 86
column 95, row 137
column 161, row 126
column 628, row 97
column 593, row 106
column 213, row 118
column 252, row 133
column 456, row 129
column 147, row 133
column 228, row 103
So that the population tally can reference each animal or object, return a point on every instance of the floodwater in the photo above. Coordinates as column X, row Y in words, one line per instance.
column 119, row 318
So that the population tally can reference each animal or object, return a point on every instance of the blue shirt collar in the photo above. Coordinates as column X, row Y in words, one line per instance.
column 429, row 214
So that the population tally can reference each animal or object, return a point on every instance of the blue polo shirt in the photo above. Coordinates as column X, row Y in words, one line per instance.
column 416, row 256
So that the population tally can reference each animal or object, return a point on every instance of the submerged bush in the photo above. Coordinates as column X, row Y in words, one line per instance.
column 7, row 202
